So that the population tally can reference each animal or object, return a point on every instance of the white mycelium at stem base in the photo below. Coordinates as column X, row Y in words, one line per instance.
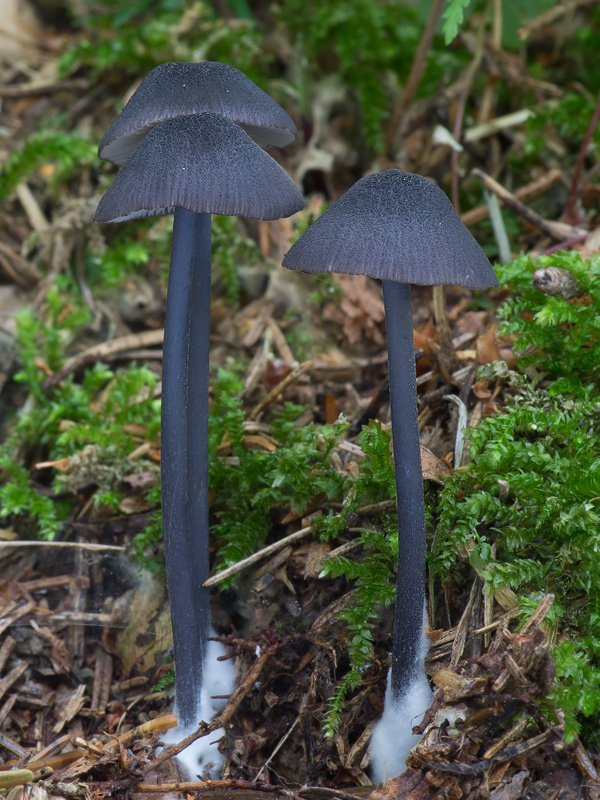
column 392, row 738
column 203, row 758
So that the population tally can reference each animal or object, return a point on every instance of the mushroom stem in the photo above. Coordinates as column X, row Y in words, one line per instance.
column 410, row 580
column 184, row 452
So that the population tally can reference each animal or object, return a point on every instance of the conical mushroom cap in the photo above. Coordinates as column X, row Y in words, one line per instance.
column 396, row 226
column 204, row 163
column 178, row 90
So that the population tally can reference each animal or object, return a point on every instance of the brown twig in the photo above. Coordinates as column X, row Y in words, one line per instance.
column 524, row 193
column 557, row 230
column 47, row 87
column 322, row 791
column 258, row 556
column 414, row 78
column 225, row 786
column 552, row 14
column 281, row 386
column 470, row 74
column 233, row 703
column 570, row 207
column 105, row 352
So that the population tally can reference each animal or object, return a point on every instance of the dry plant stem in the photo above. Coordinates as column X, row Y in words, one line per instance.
column 258, row 556
column 442, row 324
column 184, row 452
column 322, row 791
column 557, row 230
column 83, row 545
column 470, row 74
column 566, row 245
column 225, row 786
column 410, row 593
column 105, row 352
column 414, row 78
column 279, row 545
column 439, row 302
column 554, row 13
column 572, row 199
column 277, row 390
column 524, row 193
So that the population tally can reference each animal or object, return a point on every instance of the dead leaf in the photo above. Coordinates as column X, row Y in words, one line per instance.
column 432, row 468
column 254, row 441
column 332, row 411
column 314, row 559
column 134, row 504
column 513, row 789
column 361, row 310
column 487, row 348
column 144, row 637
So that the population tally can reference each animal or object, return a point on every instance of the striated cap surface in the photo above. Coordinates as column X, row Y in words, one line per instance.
column 395, row 226
column 180, row 89
column 204, row 163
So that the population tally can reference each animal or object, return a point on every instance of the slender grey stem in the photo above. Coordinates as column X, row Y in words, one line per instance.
column 410, row 580
column 184, row 452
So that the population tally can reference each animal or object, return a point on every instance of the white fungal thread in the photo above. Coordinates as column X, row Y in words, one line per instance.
column 203, row 757
column 392, row 738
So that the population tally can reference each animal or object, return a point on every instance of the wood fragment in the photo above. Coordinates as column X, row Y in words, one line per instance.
column 71, row 709
column 325, row 792
column 258, row 327
column 80, row 618
column 11, row 745
column 58, row 761
column 279, row 342
column 497, row 124
column 153, row 726
column 510, row 735
column 7, row 647
column 6, row 709
column 102, row 680
column 12, row 677
column 540, row 613
column 53, row 748
column 77, row 599
column 462, row 628
column 14, row 612
column 35, row 215
column 43, row 584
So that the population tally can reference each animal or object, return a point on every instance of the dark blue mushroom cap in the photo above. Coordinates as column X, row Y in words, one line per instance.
column 180, row 89
column 204, row 163
column 396, row 226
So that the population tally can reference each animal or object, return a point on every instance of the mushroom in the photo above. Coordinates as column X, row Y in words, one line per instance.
column 402, row 228
column 193, row 165
column 181, row 89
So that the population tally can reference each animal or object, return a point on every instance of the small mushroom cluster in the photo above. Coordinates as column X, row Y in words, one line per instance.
column 189, row 142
